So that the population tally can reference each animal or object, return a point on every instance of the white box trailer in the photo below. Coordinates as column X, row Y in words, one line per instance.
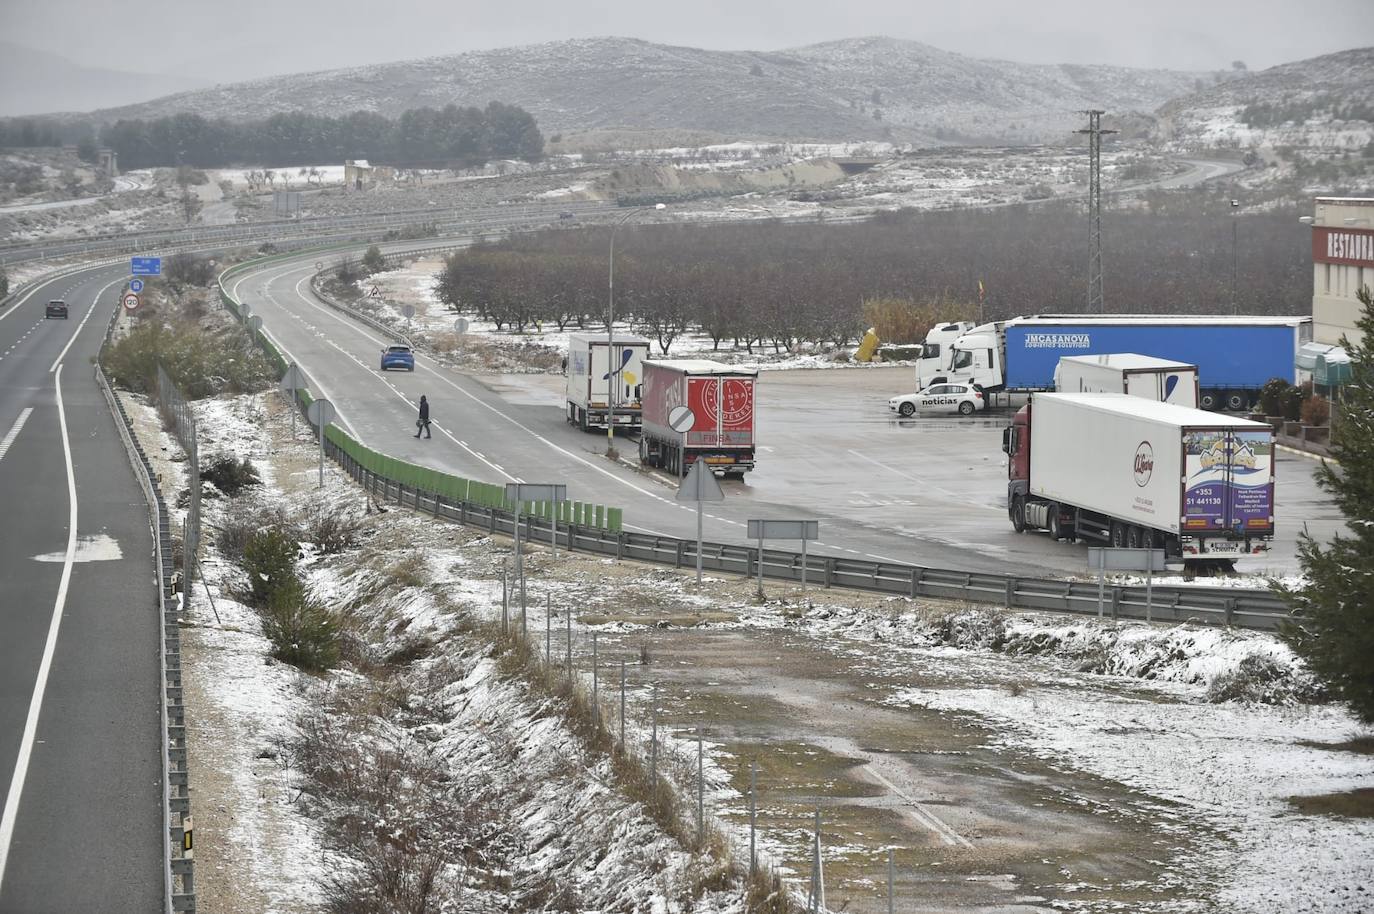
column 1128, row 373
column 1133, row 472
column 598, row 368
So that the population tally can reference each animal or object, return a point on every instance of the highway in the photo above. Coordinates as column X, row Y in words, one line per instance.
column 80, row 770
column 928, row 491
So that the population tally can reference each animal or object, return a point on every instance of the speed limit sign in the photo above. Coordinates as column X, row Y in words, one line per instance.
column 131, row 301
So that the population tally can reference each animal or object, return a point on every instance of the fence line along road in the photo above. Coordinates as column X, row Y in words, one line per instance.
column 1213, row 606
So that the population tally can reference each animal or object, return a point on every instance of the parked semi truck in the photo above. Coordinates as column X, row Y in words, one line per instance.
column 1234, row 356
column 598, row 368
column 1127, row 471
column 696, row 409
column 1128, row 373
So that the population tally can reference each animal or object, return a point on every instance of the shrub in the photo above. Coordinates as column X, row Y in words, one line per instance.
column 900, row 320
column 1274, row 396
column 242, row 522
column 200, row 361
column 189, row 270
column 4, row 283
column 373, row 261
column 346, row 271
column 230, row 474
column 269, row 558
column 302, row 631
column 1316, row 410
column 331, row 528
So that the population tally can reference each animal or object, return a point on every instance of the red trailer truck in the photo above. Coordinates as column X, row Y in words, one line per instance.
column 696, row 409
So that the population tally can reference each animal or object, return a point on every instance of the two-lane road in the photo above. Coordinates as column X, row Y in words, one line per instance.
column 82, row 826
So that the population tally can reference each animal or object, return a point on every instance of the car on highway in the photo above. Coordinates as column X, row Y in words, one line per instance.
column 398, row 357
column 965, row 399
column 56, row 308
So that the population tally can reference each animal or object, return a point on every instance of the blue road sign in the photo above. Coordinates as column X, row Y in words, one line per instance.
column 147, row 266
column 135, row 285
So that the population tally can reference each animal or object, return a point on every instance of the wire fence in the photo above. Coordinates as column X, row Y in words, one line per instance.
column 177, row 413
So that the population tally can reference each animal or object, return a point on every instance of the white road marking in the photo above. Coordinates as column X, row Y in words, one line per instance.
column 14, row 431
column 95, row 301
column 21, row 765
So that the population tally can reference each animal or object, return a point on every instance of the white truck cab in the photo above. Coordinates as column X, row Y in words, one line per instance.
column 935, row 354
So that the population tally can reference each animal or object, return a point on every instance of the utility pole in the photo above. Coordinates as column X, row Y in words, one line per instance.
column 1094, row 132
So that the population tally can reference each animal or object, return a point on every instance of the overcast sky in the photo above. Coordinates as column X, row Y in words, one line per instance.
column 247, row 38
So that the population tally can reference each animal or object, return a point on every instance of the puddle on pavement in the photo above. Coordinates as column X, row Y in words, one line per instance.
column 976, row 826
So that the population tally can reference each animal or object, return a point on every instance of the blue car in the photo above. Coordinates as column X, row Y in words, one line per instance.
column 398, row 357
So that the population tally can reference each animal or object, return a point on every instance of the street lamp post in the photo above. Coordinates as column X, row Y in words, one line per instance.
column 1235, row 205
column 612, row 385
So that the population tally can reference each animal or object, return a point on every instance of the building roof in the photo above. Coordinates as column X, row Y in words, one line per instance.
column 1108, row 320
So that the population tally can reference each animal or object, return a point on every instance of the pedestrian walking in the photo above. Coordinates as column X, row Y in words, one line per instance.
column 422, row 423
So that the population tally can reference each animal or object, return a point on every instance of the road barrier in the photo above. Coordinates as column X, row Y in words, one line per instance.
column 603, row 533
column 179, row 885
column 177, row 414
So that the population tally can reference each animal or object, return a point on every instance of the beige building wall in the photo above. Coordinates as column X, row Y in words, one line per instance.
column 1342, row 262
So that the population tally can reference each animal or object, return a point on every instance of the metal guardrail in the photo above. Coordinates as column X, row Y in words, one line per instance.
column 1214, row 606
column 179, row 885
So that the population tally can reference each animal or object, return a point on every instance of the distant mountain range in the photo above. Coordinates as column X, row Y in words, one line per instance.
column 855, row 89
column 37, row 82
column 864, row 88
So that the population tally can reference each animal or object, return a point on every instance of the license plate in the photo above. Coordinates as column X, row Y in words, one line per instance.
column 1224, row 547
column 720, row 460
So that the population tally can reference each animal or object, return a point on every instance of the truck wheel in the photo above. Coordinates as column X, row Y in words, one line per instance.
column 966, row 408
column 1236, row 401
column 1018, row 514
column 1056, row 529
column 1133, row 537
column 1207, row 401
column 1118, row 534
column 907, row 410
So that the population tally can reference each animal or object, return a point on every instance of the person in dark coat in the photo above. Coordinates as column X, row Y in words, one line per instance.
column 422, row 424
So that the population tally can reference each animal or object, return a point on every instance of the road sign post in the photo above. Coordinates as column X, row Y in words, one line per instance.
column 700, row 486
column 321, row 412
column 1106, row 559
column 521, row 492
column 292, row 381
column 803, row 530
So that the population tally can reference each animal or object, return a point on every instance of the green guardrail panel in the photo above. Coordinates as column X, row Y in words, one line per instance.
column 614, row 517
column 600, row 516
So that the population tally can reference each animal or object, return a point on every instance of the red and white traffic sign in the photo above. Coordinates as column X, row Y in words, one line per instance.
column 130, row 301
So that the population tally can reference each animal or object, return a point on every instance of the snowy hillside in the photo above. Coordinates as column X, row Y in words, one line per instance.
column 1323, row 103
column 867, row 88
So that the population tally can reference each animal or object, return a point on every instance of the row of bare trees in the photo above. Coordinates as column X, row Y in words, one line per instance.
column 769, row 283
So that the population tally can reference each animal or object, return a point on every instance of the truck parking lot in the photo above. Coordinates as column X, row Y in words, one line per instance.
column 829, row 446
